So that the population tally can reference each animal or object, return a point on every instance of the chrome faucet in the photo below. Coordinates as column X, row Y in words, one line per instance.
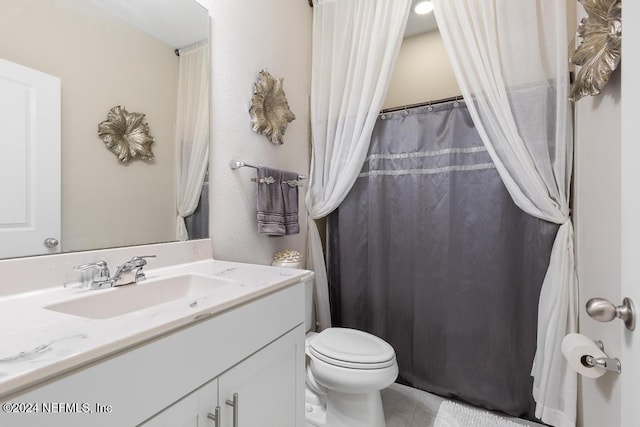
column 93, row 273
column 137, row 262
column 100, row 277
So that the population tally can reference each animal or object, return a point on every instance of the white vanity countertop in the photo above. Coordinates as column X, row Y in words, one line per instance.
column 37, row 344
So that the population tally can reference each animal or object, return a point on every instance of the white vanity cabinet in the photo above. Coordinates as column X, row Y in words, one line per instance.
column 254, row 350
column 267, row 387
column 190, row 411
column 264, row 387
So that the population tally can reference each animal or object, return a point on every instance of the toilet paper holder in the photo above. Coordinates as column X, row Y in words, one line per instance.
column 608, row 363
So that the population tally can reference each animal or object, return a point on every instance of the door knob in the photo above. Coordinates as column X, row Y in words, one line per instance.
column 51, row 242
column 603, row 310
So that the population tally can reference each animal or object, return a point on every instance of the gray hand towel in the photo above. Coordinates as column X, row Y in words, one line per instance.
column 277, row 202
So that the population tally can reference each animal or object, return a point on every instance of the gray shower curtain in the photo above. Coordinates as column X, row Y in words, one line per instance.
column 429, row 252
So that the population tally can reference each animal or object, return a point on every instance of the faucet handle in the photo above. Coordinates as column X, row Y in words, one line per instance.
column 141, row 258
column 100, row 267
column 99, row 271
column 97, row 264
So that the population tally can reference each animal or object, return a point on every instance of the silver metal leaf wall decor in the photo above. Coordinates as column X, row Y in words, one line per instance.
column 270, row 113
column 599, row 52
column 126, row 135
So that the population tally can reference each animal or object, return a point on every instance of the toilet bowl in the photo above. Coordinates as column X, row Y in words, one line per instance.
column 346, row 370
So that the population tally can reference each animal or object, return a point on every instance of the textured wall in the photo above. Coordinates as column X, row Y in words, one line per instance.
column 248, row 36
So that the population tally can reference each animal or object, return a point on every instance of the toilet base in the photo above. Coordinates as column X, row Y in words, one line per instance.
column 315, row 408
column 355, row 410
column 346, row 410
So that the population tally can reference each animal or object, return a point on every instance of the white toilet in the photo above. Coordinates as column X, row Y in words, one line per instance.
column 346, row 369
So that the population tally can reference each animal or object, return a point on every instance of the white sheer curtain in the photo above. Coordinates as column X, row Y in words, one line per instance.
column 355, row 45
column 192, row 130
column 510, row 61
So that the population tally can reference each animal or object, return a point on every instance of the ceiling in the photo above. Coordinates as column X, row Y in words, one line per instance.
column 419, row 23
column 159, row 18
column 177, row 23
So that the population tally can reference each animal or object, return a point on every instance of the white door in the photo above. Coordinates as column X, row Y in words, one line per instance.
column 29, row 161
column 630, row 195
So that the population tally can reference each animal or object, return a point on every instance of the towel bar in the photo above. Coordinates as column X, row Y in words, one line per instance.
column 237, row 164
column 270, row 180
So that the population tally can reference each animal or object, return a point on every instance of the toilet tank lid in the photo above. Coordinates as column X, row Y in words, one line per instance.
column 351, row 345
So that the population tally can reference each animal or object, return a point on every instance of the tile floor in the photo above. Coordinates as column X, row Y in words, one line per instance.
column 408, row 407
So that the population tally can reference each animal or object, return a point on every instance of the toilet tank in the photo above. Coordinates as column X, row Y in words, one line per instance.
column 309, row 309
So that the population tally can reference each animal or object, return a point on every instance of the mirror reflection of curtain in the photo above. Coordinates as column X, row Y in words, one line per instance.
column 510, row 60
column 429, row 252
column 192, row 133
column 198, row 222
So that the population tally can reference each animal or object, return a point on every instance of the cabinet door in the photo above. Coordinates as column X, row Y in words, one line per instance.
column 269, row 386
column 190, row 411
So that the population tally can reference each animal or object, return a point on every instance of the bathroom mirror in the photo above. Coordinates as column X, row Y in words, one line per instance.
column 109, row 53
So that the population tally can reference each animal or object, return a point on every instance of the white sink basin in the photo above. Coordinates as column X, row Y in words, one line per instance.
column 107, row 303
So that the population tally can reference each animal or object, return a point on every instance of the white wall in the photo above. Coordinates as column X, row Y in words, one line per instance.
column 422, row 73
column 598, row 239
column 630, row 195
column 104, row 203
column 248, row 36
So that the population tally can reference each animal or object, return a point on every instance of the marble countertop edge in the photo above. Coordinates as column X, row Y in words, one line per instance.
column 87, row 341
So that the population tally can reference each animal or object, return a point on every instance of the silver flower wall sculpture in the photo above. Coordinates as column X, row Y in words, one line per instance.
column 270, row 113
column 599, row 52
column 126, row 135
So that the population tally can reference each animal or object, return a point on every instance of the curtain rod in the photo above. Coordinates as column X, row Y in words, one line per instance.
column 422, row 104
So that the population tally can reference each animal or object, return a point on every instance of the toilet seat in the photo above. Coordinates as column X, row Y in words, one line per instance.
column 353, row 349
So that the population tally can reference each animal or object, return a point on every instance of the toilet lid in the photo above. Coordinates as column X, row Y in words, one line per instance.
column 351, row 348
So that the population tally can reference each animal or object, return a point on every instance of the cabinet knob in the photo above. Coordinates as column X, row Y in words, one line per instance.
column 234, row 404
column 215, row 417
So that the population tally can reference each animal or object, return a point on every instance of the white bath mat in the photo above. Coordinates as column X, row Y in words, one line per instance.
column 452, row 414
